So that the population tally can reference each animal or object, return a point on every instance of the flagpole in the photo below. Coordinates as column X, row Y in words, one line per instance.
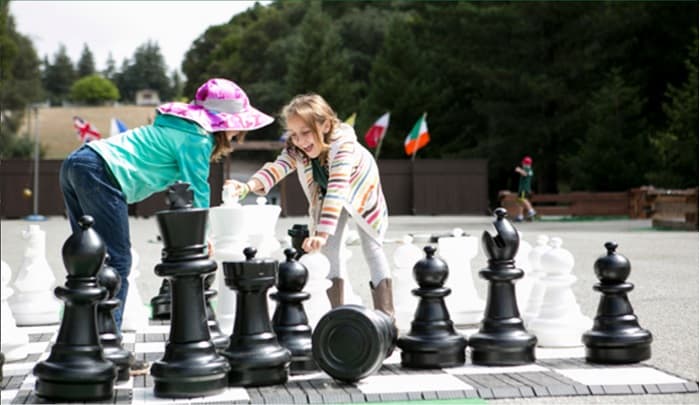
column 35, row 216
column 379, row 146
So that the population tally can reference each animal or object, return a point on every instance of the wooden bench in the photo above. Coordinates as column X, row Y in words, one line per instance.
column 578, row 203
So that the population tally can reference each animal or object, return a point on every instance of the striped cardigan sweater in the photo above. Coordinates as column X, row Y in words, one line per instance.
column 353, row 184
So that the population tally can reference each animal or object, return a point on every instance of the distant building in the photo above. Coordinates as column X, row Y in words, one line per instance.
column 147, row 97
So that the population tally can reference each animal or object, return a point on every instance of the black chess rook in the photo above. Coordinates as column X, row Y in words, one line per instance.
column 502, row 339
column 432, row 341
column 110, row 336
column 254, row 354
column 289, row 320
column 190, row 366
column 76, row 369
column 616, row 337
column 160, row 304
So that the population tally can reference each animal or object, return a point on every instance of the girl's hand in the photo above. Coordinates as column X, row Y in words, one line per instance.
column 240, row 190
column 210, row 248
column 313, row 243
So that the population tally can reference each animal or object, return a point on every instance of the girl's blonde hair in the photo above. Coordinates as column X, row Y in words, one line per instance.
column 314, row 111
column 222, row 145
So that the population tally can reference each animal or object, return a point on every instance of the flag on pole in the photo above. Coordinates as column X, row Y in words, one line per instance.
column 351, row 120
column 417, row 138
column 376, row 132
column 116, row 127
column 85, row 131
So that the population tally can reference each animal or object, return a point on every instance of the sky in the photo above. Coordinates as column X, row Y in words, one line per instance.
column 120, row 27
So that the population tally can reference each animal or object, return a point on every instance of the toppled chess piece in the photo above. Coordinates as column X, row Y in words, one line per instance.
column 76, row 369
column 432, row 341
column 616, row 337
column 502, row 339
column 351, row 342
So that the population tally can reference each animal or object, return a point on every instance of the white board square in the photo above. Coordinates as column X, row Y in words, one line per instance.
column 619, row 376
column 385, row 384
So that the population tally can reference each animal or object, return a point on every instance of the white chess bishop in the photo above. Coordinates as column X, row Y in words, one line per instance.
column 13, row 340
column 463, row 303
column 559, row 322
column 34, row 302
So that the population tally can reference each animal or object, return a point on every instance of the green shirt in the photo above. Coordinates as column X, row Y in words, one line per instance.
column 148, row 159
column 525, row 180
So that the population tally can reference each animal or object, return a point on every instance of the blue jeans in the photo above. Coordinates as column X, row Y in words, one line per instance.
column 90, row 189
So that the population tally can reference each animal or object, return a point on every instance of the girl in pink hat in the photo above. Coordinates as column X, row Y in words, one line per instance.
column 341, row 182
column 102, row 177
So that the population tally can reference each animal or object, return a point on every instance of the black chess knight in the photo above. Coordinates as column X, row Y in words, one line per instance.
column 190, row 366
column 76, row 369
column 502, row 339
column 616, row 337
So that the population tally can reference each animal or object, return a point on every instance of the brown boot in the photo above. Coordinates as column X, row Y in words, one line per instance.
column 383, row 297
column 336, row 293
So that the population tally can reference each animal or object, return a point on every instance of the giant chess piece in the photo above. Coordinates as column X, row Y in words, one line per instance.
column 616, row 337
column 255, row 355
column 135, row 316
column 262, row 234
column 298, row 232
column 502, row 339
column 559, row 322
column 190, row 366
column 532, row 307
column 289, row 320
column 458, row 251
column 110, row 337
column 33, row 302
column 13, row 340
column 219, row 338
column 160, row 304
column 351, row 342
column 76, row 369
column 404, row 258
column 432, row 341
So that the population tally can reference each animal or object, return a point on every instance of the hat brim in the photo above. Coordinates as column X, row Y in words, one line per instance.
column 246, row 120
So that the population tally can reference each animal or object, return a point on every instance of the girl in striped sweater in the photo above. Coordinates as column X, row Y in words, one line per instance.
column 340, row 180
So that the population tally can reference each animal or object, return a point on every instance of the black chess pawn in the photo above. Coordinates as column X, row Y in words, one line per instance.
column 298, row 232
column 110, row 336
column 219, row 338
column 255, row 355
column 160, row 304
column 350, row 342
column 432, row 341
column 616, row 337
column 502, row 339
column 289, row 320
column 76, row 369
column 190, row 366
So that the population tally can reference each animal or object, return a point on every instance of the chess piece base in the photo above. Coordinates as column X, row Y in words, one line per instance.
column 514, row 350
column 421, row 352
column 188, row 389
column 257, row 377
column 618, row 355
column 191, row 370
column 88, row 383
column 302, row 365
column 63, row 391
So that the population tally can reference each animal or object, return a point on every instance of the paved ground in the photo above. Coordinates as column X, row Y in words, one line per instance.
column 664, row 272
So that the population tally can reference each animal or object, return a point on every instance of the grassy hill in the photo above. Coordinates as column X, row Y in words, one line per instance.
column 58, row 137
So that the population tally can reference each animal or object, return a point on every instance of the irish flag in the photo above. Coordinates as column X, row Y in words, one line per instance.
column 418, row 137
column 377, row 131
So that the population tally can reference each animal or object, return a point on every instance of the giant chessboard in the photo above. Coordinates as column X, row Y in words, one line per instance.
column 557, row 372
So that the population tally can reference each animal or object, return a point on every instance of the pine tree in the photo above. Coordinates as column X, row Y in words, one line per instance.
column 86, row 63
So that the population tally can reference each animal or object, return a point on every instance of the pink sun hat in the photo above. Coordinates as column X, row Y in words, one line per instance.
column 219, row 105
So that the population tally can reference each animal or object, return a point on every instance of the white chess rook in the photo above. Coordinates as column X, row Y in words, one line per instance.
column 559, row 322
column 405, row 257
column 463, row 303
column 13, row 341
column 34, row 302
column 135, row 316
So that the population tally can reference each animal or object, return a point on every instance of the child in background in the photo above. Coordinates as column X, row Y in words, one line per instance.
column 103, row 177
column 524, row 190
column 340, row 180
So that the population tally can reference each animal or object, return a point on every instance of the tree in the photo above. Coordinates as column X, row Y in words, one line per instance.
column 146, row 71
column 86, row 63
column 94, row 90
column 20, row 85
column 177, row 85
column 110, row 71
column 676, row 146
column 59, row 76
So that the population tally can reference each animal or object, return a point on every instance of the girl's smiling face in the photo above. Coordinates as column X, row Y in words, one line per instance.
column 305, row 137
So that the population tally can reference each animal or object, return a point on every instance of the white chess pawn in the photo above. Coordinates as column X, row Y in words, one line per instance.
column 532, row 306
column 463, row 303
column 317, row 305
column 135, row 316
column 34, row 302
column 263, row 217
column 523, row 286
column 559, row 322
column 345, row 254
column 405, row 256
column 13, row 341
